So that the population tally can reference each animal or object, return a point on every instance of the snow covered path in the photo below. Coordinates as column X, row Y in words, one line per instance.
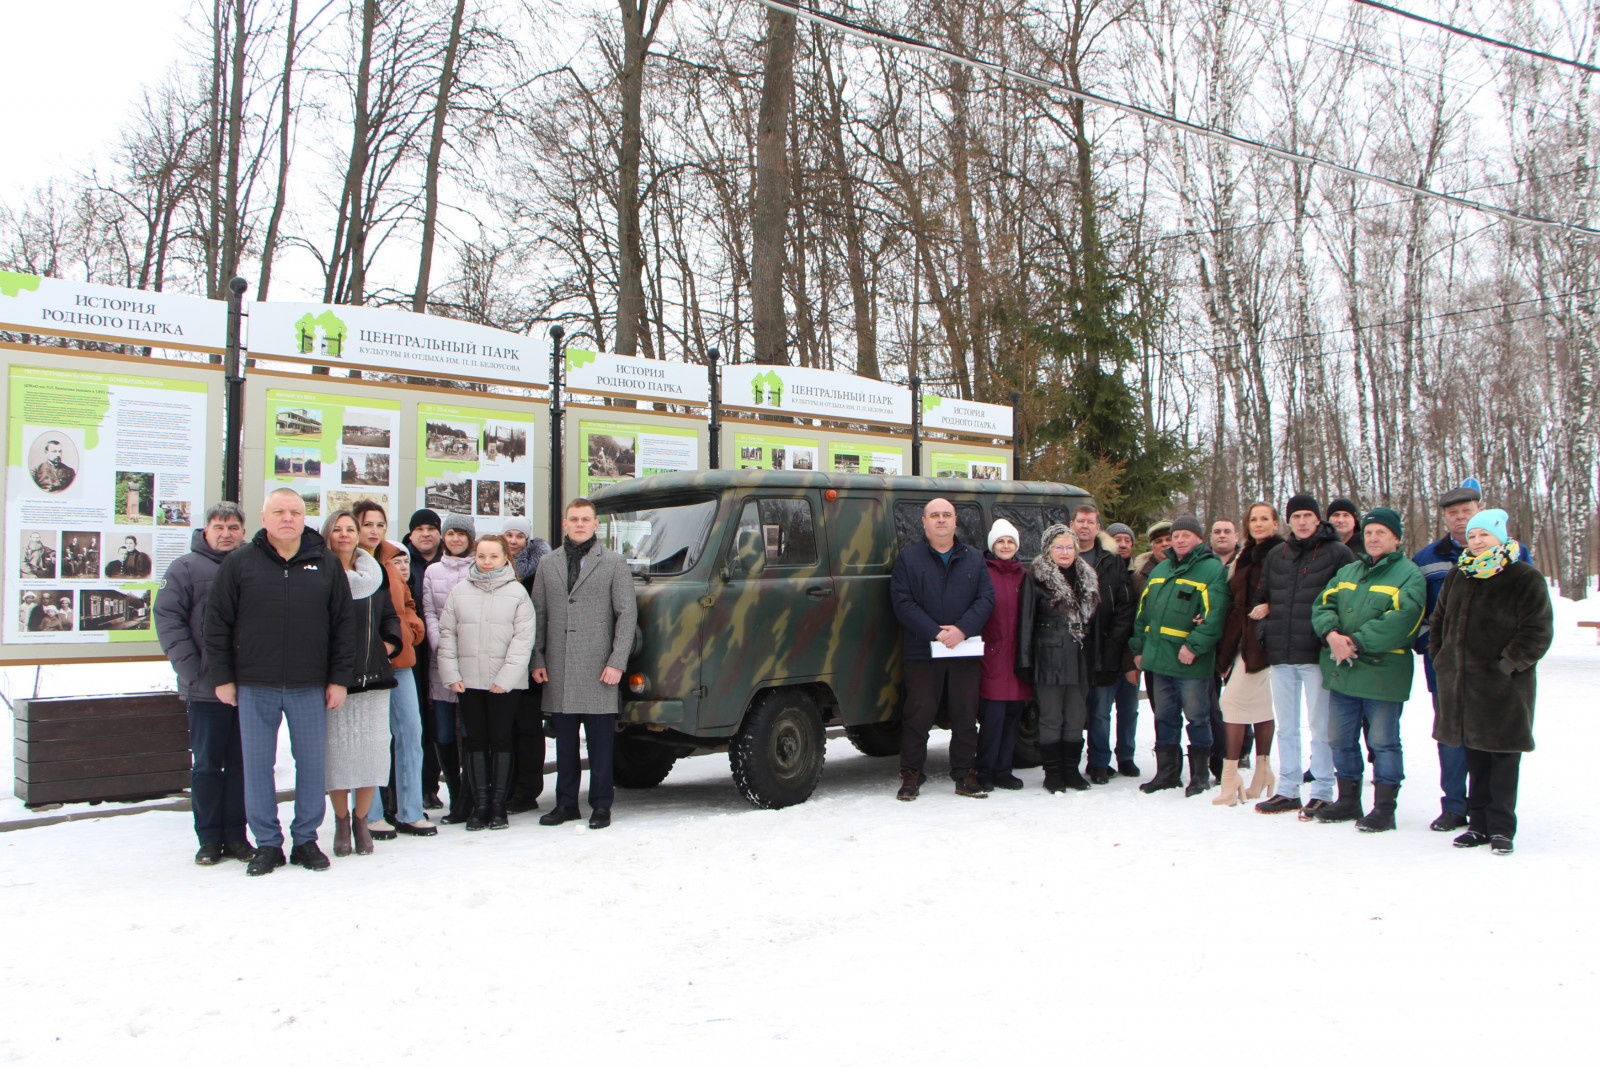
column 848, row 930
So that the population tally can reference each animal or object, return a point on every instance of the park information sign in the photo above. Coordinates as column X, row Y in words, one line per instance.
column 105, row 483
column 768, row 453
column 57, row 308
column 969, row 465
column 965, row 416
column 637, row 379
column 822, row 393
column 476, row 462
column 399, row 342
column 866, row 457
column 613, row 451
column 333, row 450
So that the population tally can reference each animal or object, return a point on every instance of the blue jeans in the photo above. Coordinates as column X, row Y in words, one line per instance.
column 997, row 736
column 1173, row 700
column 601, row 733
column 405, row 727
column 1347, row 717
column 1452, row 772
column 1124, row 695
column 261, row 709
column 1289, row 681
column 442, row 723
column 216, row 776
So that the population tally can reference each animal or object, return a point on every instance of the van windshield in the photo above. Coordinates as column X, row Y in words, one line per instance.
column 659, row 539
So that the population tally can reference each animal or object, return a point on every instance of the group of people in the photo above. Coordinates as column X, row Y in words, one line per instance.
column 1238, row 641
column 381, row 654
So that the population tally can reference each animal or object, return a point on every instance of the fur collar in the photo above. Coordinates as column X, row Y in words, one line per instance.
column 1074, row 599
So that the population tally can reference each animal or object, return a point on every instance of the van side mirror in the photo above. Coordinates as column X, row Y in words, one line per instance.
column 749, row 555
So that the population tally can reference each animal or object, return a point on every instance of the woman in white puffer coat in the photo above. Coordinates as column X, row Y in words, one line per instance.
column 485, row 644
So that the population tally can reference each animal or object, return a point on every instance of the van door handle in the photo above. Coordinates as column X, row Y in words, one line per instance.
column 817, row 592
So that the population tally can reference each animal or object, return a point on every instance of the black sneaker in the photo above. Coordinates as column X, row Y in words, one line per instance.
column 557, row 816
column 1500, row 845
column 599, row 818
column 209, row 855
column 1448, row 821
column 1471, row 839
column 431, row 801
column 1008, row 781
column 264, row 861
column 1128, row 769
column 1100, row 775
column 1309, row 812
column 1277, row 805
column 309, row 856
column 519, row 803
column 238, row 850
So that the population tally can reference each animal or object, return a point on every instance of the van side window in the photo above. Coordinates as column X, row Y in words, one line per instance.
column 971, row 530
column 854, row 523
column 786, row 527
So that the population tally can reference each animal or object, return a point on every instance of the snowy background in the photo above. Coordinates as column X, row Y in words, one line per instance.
column 848, row 930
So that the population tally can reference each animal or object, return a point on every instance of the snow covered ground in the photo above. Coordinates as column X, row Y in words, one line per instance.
column 848, row 930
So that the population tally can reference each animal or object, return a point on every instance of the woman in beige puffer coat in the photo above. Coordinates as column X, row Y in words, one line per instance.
column 485, row 643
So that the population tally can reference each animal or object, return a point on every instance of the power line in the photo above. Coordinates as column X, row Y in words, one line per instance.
column 1448, row 28
column 1000, row 70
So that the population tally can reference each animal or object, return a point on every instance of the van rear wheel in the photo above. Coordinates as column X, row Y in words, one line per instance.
column 640, row 764
column 875, row 738
column 777, row 755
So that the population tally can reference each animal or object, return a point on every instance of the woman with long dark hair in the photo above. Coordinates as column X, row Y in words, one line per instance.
column 1242, row 660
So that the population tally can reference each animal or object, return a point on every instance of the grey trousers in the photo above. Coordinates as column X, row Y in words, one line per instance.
column 1063, row 711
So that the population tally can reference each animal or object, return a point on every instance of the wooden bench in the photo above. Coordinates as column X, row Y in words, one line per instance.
column 1593, row 625
column 69, row 750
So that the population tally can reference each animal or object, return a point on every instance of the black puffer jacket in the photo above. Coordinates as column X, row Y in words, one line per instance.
column 180, row 613
column 1292, row 578
column 277, row 622
column 1113, row 619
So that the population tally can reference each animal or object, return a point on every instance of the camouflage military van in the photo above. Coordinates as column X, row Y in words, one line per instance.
column 764, row 613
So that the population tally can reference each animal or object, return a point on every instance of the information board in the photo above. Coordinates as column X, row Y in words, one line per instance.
column 772, row 452
column 475, row 461
column 334, row 450
column 612, row 450
column 944, row 463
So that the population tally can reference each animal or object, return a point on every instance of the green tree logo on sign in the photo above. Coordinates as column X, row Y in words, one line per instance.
column 333, row 333
column 12, row 284
column 767, row 388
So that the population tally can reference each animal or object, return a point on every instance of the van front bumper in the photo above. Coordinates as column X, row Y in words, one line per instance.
column 661, row 711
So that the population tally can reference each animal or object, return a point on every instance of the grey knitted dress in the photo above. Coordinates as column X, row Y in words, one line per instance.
column 358, row 732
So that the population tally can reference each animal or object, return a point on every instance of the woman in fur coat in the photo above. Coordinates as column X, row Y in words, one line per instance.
column 1059, row 599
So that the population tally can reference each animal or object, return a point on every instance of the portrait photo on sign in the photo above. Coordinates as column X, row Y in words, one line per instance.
column 172, row 513
column 372, row 431
column 612, row 456
column 43, row 611
column 113, row 609
column 780, row 457
column 299, row 422
column 39, row 554
column 364, row 468
column 54, row 461
column 515, row 500
column 504, row 444
column 451, row 440
column 80, row 554
column 128, row 556
column 133, row 501
column 488, row 497
column 453, row 495
column 289, row 462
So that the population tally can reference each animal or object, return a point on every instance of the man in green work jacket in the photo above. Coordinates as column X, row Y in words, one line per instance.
column 1175, row 637
column 1368, row 616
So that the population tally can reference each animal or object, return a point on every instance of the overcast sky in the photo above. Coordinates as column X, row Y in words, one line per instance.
column 74, row 69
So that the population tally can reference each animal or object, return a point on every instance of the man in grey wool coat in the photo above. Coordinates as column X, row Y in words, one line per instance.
column 584, row 607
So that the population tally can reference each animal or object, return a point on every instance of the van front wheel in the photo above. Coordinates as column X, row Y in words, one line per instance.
column 875, row 738
column 777, row 755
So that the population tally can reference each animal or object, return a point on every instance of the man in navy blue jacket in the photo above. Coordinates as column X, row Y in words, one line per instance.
column 942, row 595
column 1437, row 561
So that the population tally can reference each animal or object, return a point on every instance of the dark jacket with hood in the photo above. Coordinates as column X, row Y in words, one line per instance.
column 180, row 613
column 277, row 622
column 1293, row 576
column 927, row 594
column 1487, row 635
column 1238, row 629
column 375, row 622
column 1113, row 619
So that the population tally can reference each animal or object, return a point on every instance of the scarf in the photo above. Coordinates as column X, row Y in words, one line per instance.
column 575, row 554
column 1074, row 597
column 1490, row 563
column 489, row 581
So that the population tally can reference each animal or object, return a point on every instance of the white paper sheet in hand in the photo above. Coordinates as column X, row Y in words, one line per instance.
column 972, row 646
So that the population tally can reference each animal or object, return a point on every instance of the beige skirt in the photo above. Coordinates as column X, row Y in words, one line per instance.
column 1247, row 697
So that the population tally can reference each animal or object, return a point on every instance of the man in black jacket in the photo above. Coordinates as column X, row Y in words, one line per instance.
column 281, row 643
column 426, row 544
column 942, row 595
column 1293, row 576
column 1107, row 639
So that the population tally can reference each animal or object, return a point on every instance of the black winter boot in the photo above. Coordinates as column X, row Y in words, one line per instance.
column 388, row 803
column 1169, row 769
column 478, row 768
column 1381, row 817
column 450, row 768
column 499, row 782
column 1347, row 807
column 1051, row 758
column 1071, row 753
column 1199, row 770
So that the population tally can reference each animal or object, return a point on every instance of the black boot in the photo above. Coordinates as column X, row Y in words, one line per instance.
column 1051, row 758
column 478, row 768
column 1169, row 764
column 388, row 802
column 450, row 768
column 1347, row 807
column 1381, row 817
column 1071, row 753
column 499, row 782
column 1199, row 770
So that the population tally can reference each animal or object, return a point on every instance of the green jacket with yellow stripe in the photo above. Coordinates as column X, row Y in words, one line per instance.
column 1184, row 603
column 1378, row 604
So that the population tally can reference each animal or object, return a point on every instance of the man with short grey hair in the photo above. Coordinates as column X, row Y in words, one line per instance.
column 216, row 778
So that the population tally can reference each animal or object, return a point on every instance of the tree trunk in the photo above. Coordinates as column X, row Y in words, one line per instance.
column 771, row 214
column 430, row 180
column 269, row 245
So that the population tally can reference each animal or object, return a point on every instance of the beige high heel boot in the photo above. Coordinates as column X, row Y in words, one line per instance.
column 1262, row 781
column 1231, row 783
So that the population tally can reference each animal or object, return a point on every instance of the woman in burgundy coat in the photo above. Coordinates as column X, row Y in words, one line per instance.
column 1001, row 694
